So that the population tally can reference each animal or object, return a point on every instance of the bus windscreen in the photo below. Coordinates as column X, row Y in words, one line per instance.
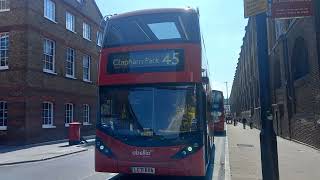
column 168, row 112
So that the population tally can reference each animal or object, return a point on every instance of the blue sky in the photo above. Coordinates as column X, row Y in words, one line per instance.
column 222, row 24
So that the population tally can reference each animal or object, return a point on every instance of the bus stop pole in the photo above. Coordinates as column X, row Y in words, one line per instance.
column 268, row 139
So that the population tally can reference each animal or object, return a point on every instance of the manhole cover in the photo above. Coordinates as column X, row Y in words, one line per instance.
column 245, row 145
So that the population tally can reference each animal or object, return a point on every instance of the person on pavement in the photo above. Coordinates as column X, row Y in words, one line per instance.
column 244, row 121
column 251, row 124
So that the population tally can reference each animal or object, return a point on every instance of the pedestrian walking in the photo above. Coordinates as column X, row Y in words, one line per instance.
column 251, row 124
column 244, row 121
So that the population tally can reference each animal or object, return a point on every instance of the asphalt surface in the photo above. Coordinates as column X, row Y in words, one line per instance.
column 80, row 166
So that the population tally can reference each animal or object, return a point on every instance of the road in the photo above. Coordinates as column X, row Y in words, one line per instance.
column 81, row 167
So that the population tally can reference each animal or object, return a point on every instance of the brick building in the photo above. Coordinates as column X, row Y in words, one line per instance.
column 49, row 52
column 244, row 97
column 294, row 79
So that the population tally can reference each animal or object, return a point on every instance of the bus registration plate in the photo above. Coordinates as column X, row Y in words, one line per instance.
column 143, row 170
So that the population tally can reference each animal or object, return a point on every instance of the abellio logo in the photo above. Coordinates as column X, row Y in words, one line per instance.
column 143, row 152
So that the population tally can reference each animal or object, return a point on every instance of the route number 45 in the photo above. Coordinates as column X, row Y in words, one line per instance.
column 174, row 60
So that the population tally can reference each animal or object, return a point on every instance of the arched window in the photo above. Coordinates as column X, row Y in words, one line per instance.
column 300, row 59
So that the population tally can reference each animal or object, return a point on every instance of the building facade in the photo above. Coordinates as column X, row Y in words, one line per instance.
column 49, row 52
column 294, row 80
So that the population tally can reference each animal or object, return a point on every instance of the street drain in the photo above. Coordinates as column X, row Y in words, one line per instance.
column 245, row 145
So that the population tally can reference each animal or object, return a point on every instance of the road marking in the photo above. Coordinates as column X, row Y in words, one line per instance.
column 227, row 163
column 112, row 175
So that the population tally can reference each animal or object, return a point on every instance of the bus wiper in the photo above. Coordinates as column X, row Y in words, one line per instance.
column 172, row 88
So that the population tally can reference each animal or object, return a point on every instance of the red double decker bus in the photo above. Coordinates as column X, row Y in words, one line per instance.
column 218, row 112
column 153, row 101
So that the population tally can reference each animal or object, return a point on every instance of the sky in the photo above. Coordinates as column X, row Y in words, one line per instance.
column 222, row 25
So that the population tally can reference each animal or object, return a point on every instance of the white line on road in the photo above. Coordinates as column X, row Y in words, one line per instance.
column 227, row 163
column 111, row 175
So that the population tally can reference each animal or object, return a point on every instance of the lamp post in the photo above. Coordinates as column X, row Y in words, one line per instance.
column 227, row 93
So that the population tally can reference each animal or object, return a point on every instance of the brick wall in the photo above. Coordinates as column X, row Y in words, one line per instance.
column 296, row 102
column 25, row 86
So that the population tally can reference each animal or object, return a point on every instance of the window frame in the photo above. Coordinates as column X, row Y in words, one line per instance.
column 86, row 31
column 68, row 118
column 72, row 23
column 69, row 61
column 4, row 116
column 99, row 39
column 46, row 4
column 6, row 4
column 6, row 50
column 86, row 114
column 44, row 61
column 44, row 118
column 84, row 68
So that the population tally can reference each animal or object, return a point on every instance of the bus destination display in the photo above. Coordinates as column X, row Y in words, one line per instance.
column 146, row 61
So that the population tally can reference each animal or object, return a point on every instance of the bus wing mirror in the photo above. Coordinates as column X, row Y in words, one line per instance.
column 205, row 80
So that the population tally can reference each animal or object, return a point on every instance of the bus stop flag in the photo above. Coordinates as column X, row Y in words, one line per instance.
column 286, row 9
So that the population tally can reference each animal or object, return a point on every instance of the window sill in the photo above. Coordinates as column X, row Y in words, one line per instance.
column 4, row 68
column 87, row 39
column 87, row 81
column 49, row 72
column 66, row 125
column 48, row 126
column 51, row 20
column 71, row 31
column 4, row 10
column 87, row 124
column 70, row 77
column 3, row 128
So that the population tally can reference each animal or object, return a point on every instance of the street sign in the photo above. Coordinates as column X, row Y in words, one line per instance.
column 287, row 9
column 254, row 7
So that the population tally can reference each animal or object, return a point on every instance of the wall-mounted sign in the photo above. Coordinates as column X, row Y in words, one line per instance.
column 287, row 9
column 254, row 7
column 146, row 61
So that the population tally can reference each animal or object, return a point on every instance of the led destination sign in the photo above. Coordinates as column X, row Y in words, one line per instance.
column 146, row 61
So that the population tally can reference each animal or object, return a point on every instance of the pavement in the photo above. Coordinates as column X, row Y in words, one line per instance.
column 296, row 161
column 33, row 153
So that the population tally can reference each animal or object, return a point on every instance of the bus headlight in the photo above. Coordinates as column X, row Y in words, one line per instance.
column 188, row 150
column 104, row 149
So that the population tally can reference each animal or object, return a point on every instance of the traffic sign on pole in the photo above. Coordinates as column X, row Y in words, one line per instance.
column 254, row 7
